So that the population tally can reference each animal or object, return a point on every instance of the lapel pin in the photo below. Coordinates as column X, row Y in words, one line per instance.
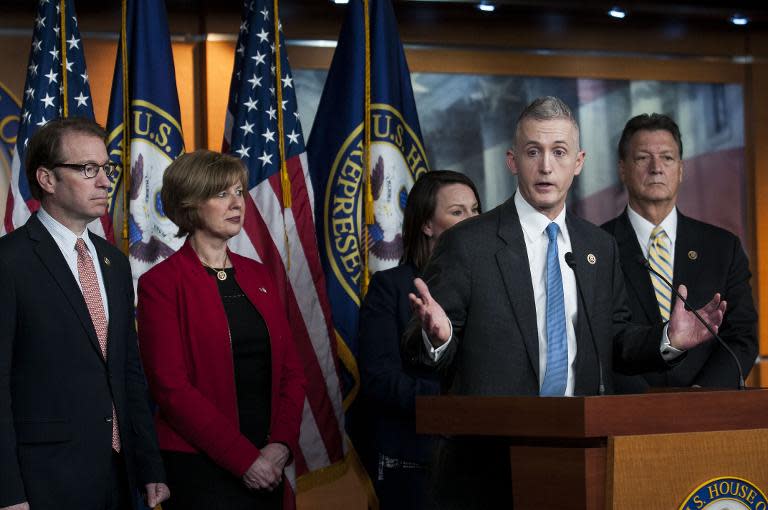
column 262, row 289
column 591, row 258
column 107, row 261
column 693, row 255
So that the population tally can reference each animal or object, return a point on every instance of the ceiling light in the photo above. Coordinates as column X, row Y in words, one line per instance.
column 486, row 7
column 738, row 19
column 617, row 12
column 339, row 2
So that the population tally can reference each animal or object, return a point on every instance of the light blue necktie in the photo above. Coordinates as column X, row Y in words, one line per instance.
column 556, row 374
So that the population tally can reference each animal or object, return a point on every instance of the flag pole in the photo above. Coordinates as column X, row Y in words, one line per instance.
column 63, row 35
column 285, row 181
column 126, row 148
column 369, row 213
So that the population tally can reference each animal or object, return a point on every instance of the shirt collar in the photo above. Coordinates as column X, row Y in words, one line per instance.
column 535, row 223
column 643, row 227
column 64, row 237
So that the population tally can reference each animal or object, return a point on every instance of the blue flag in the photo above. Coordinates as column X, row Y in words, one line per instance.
column 10, row 108
column 337, row 149
column 144, row 130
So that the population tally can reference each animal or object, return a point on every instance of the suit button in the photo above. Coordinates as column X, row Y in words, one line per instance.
column 108, row 419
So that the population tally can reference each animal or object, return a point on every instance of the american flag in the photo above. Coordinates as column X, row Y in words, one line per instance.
column 282, row 237
column 56, row 86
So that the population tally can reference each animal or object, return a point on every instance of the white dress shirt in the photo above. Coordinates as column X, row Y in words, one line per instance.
column 65, row 240
column 534, row 226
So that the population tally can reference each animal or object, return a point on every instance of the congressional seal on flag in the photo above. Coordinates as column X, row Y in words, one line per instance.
column 397, row 159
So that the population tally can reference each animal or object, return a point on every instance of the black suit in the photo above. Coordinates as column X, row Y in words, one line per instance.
column 56, row 391
column 390, row 385
column 708, row 259
column 480, row 274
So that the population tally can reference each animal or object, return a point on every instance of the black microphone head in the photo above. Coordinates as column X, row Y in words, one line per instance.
column 570, row 260
column 642, row 261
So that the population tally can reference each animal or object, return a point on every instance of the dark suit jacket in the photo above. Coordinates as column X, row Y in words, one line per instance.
column 720, row 265
column 56, row 391
column 390, row 383
column 479, row 273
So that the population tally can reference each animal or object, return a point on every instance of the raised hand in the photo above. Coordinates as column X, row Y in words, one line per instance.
column 685, row 331
column 433, row 319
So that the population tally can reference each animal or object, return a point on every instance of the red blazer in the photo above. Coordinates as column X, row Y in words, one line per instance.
column 185, row 346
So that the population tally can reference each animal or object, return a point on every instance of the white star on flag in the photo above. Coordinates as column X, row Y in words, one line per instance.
column 259, row 57
column 251, row 104
column 266, row 159
column 269, row 136
column 247, row 128
column 82, row 99
column 47, row 100
column 243, row 151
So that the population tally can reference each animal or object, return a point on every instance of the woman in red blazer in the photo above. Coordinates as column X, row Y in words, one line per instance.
column 217, row 349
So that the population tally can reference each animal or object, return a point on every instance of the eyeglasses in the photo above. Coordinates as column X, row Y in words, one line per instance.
column 91, row 170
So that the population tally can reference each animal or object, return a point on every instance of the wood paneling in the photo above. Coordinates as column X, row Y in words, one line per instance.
column 659, row 471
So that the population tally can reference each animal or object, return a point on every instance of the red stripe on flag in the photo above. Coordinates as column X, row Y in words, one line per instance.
column 8, row 220
column 305, row 226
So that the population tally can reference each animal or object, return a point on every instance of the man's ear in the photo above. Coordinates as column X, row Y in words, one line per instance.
column 622, row 172
column 46, row 179
column 511, row 164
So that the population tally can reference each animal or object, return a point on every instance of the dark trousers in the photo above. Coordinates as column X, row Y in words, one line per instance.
column 197, row 483
column 402, row 485
column 118, row 495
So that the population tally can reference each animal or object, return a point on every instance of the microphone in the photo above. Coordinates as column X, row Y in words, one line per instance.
column 571, row 261
column 647, row 265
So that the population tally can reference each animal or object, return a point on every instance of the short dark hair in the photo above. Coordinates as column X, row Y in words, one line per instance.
column 193, row 178
column 646, row 122
column 44, row 148
column 420, row 207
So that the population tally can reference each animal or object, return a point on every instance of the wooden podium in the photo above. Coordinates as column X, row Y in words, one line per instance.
column 614, row 452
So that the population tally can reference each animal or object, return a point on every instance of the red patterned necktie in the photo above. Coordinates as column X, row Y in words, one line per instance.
column 90, row 287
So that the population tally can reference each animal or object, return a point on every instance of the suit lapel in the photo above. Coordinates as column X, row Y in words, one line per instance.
column 587, row 260
column 110, row 288
column 515, row 272
column 583, row 253
column 51, row 257
column 686, row 267
column 636, row 276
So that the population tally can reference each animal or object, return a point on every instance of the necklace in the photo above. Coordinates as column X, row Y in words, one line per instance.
column 220, row 273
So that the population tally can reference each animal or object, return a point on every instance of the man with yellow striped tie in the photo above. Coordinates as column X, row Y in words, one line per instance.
column 704, row 258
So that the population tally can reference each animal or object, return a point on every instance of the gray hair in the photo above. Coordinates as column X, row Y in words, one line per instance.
column 547, row 108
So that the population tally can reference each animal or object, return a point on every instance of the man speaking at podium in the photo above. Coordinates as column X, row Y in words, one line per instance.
column 706, row 257
column 502, row 311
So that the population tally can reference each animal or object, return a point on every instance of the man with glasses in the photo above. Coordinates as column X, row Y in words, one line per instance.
column 705, row 258
column 75, row 425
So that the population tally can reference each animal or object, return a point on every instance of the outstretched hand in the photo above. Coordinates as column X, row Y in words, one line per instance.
column 433, row 319
column 685, row 331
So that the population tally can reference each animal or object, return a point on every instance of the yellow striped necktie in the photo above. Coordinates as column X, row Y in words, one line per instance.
column 661, row 260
